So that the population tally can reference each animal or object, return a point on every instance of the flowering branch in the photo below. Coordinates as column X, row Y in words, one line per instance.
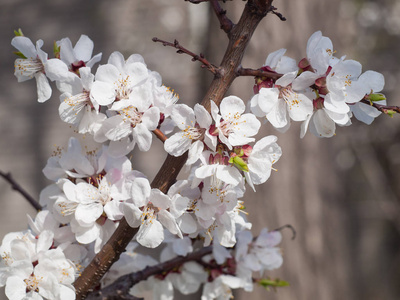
column 258, row 73
column 389, row 110
column 226, row 23
column 206, row 64
column 18, row 188
column 254, row 12
column 122, row 285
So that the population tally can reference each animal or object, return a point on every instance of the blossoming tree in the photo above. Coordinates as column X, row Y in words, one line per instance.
column 83, row 242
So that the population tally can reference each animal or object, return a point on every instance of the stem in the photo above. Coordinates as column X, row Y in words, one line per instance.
column 258, row 73
column 254, row 12
column 381, row 107
column 226, row 23
column 206, row 64
column 160, row 135
column 15, row 186
column 123, row 284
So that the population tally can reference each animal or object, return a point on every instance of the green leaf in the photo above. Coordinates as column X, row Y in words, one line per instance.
column 390, row 112
column 18, row 32
column 268, row 283
column 239, row 163
column 18, row 53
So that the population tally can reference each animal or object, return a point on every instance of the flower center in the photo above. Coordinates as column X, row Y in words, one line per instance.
column 132, row 115
column 32, row 283
column 28, row 67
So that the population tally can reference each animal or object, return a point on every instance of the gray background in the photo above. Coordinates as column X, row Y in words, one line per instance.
column 341, row 194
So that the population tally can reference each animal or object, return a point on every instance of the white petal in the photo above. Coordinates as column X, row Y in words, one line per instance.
column 267, row 99
column 230, row 106
column 43, row 87
column 25, row 46
column 183, row 116
column 203, row 117
column 150, row 234
column 177, row 144
column 84, row 48
column 102, row 92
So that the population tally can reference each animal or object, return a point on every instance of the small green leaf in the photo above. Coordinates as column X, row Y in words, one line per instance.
column 56, row 50
column 18, row 53
column 390, row 112
column 239, row 163
column 268, row 283
column 18, row 32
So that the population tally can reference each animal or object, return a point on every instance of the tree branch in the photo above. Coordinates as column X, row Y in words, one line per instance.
column 122, row 285
column 226, row 23
column 15, row 186
column 287, row 226
column 201, row 1
column 254, row 12
column 382, row 108
column 258, row 73
column 160, row 135
column 278, row 14
column 206, row 64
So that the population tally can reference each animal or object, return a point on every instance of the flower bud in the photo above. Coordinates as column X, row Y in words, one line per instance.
column 376, row 97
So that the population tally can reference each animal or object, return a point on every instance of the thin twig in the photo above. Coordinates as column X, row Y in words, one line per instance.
column 382, row 108
column 226, row 23
column 160, row 135
column 287, row 226
column 18, row 188
column 258, row 73
column 278, row 14
column 123, row 284
column 201, row 1
column 206, row 64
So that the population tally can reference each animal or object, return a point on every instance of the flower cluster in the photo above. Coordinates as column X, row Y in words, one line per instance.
column 321, row 90
column 118, row 106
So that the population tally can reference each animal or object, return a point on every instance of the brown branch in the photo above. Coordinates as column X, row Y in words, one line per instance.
column 226, row 23
column 123, row 284
column 258, row 73
column 201, row 1
column 382, row 108
column 278, row 14
column 206, row 64
column 239, row 38
column 160, row 135
column 287, row 226
column 254, row 12
column 15, row 186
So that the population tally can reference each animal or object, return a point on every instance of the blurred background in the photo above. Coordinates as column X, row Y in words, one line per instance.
column 342, row 194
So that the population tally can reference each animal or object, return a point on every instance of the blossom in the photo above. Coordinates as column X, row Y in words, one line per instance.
column 374, row 84
column 280, row 101
column 263, row 155
column 35, row 64
column 194, row 126
column 80, row 55
column 76, row 163
column 147, row 208
column 119, row 79
column 30, row 269
column 234, row 127
column 77, row 106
